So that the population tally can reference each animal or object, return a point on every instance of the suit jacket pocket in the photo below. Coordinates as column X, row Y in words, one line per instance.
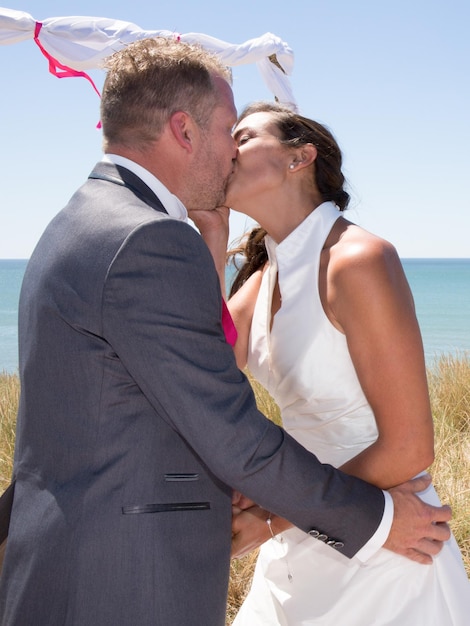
column 181, row 478
column 165, row 507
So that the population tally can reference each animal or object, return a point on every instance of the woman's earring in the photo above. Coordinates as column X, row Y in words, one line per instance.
column 291, row 166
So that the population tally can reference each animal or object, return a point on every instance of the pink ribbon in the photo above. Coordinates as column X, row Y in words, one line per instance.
column 56, row 68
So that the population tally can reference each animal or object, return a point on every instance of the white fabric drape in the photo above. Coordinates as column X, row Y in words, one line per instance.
column 83, row 42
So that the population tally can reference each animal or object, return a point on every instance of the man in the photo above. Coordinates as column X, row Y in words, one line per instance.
column 134, row 422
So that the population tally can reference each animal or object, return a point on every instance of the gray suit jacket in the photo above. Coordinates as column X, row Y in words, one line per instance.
column 135, row 424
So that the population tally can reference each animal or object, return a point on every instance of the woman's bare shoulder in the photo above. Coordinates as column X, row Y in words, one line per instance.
column 352, row 249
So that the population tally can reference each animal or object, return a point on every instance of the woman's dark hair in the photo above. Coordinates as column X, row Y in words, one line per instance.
column 252, row 255
column 296, row 130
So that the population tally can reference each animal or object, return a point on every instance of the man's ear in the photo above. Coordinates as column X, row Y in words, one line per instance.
column 183, row 128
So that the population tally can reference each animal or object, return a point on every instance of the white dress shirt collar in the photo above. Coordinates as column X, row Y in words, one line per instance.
column 171, row 203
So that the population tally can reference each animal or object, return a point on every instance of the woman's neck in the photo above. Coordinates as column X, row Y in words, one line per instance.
column 280, row 223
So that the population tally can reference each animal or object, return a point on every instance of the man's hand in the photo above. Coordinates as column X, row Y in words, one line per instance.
column 418, row 529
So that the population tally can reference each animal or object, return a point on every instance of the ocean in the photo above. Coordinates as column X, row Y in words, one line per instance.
column 441, row 289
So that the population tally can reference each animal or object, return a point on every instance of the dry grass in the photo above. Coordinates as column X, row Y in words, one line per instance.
column 9, row 394
column 449, row 384
column 241, row 573
column 264, row 401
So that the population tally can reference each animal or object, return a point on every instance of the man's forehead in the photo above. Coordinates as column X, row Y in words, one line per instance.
column 226, row 103
column 225, row 92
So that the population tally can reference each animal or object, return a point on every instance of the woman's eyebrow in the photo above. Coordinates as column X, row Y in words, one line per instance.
column 239, row 131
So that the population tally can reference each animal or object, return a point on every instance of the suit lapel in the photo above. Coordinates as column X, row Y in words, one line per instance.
column 119, row 175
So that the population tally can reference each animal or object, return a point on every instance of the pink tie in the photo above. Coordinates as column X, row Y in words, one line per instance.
column 228, row 325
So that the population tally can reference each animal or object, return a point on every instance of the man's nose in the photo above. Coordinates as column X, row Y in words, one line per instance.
column 235, row 150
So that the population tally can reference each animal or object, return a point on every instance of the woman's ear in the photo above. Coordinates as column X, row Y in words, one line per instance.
column 304, row 156
column 182, row 127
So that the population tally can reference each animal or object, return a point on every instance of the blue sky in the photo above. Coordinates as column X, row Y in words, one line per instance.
column 390, row 79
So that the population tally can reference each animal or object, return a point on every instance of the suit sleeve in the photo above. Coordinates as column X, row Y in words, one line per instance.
column 162, row 315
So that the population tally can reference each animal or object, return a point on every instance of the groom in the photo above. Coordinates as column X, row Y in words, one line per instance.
column 134, row 422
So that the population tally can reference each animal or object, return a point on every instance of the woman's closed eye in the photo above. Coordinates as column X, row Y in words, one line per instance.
column 242, row 135
column 242, row 139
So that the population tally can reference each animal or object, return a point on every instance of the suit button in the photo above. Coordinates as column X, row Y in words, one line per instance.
column 314, row 533
column 322, row 537
column 335, row 544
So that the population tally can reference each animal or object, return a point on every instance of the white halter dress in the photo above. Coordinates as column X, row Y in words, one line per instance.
column 305, row 364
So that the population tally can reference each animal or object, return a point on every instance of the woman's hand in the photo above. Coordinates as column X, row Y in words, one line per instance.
column 214, row 228
column 249, row 530
column 250, row 527
column 240, row 502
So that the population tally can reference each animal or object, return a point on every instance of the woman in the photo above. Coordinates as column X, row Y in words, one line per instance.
column 326, row 322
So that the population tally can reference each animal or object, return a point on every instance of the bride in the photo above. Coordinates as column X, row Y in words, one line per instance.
column 326, row 322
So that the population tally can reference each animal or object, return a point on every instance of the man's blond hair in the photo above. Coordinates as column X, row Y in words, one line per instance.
column 150, row 79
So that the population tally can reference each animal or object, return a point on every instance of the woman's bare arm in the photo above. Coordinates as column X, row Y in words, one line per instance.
column 241, row 306
column 368, row 298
